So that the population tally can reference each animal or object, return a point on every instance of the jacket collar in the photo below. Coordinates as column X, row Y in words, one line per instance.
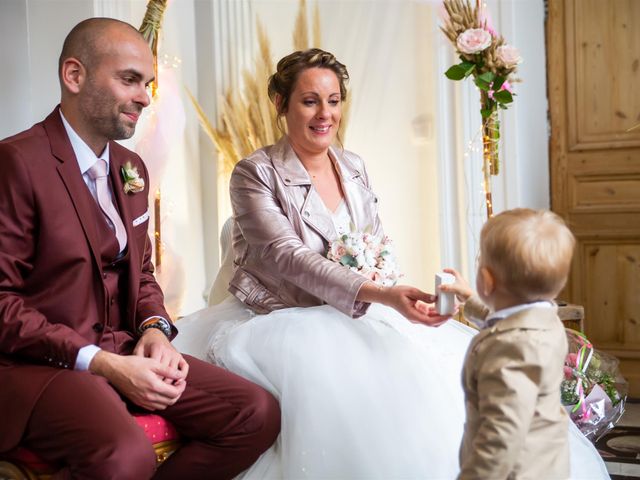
column 292, row 171
column 545, row 318
column 313, row 210
column 69, row 172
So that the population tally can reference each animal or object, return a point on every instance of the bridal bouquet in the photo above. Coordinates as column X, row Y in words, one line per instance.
column 593, row 391
column 368, row 255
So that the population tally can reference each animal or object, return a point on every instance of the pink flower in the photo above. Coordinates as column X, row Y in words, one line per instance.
column 505, row 86
column 509, row 55
column 572, row 359
column 473, row 40
column 568, row 373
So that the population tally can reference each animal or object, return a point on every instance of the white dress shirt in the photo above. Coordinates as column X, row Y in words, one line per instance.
column 491, row 320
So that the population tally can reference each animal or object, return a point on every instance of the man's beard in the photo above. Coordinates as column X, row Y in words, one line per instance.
column 102, row 110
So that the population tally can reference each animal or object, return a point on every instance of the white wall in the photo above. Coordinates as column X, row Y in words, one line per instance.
column 31, row 36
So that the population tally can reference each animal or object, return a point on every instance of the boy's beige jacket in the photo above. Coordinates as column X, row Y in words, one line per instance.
column 283, row 229
column 516, row 427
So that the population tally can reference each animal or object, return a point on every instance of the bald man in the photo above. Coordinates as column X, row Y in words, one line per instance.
column 84, row 336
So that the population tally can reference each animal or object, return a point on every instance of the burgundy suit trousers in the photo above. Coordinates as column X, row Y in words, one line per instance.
column 81, row 422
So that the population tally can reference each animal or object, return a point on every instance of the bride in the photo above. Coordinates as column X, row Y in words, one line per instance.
column 367, row 388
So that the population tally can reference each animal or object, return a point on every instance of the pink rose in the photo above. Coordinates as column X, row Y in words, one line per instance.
column 505, row 86
column 473, row 40
column 568, row 373
column 509, row 55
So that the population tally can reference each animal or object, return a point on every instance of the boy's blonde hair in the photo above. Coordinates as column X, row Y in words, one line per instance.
column 528, row 251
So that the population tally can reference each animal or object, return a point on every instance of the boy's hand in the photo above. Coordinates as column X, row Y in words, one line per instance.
column 460, row 287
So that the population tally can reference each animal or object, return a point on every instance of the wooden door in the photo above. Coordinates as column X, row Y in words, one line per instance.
column 593, row 57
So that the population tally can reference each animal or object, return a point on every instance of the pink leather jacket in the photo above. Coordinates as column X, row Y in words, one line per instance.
column 282, row 230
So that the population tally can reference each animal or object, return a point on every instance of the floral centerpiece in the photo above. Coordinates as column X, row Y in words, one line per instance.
column 368, row 255
column 486, row 56
column 593, row 391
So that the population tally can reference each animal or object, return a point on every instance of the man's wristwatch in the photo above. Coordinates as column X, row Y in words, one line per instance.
column 160, row 323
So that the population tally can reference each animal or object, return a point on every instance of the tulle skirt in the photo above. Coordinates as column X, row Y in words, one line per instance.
column 372, row 398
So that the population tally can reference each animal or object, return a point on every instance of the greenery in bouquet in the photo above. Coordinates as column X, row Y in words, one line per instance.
column 593, row 391
column 368, row 255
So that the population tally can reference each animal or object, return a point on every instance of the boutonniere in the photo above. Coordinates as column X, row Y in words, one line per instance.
column 133, row 183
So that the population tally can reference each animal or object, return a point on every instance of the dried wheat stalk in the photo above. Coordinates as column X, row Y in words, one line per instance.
column 248, row 118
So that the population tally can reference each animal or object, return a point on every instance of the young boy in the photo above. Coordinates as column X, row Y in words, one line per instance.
column 516, row 426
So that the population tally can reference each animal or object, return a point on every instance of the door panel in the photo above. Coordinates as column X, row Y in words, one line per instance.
column 593, row 76
column 602, row 38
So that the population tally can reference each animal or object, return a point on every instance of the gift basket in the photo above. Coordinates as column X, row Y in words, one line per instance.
column 593, row 391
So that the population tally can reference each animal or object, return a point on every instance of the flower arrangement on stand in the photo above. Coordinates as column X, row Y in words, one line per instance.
column 486, row 56
column 368, row 255
column 593, row 391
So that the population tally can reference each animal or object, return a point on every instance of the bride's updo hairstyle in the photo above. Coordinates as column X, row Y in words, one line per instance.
column 283, row 82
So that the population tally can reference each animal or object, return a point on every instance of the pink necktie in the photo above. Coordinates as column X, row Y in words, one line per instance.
column 98, row 172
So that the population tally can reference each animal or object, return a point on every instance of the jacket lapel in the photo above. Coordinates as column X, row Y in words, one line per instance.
column 316, row 215
column 135, row 260
column 359, row 198
column 530, row 319
column 71, row 176
column 313, row 210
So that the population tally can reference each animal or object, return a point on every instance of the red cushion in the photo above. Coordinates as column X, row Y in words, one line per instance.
column 156, row 428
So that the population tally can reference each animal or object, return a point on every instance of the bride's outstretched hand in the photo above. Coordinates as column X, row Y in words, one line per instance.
column 410, row 302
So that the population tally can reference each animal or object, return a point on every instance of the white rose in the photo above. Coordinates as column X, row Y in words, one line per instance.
column 134, row 185
column 509, row 55
column 370, row 257
column 473, row 40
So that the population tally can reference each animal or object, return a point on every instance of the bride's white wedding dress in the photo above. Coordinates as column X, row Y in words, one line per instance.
column 373, row 398
column 377, row 397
